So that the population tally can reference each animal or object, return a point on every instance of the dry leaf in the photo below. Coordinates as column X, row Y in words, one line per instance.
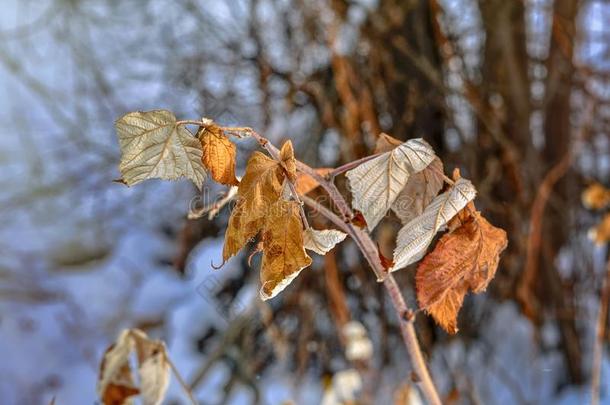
column 596, row 197
column 153, row 146
column 420, row 190
column 323, row 241
column 414, row 237
column 358, row 220
column 386, row 143
column 283, row 253
column 115, row 382
column 154, row 368
column 260, row 187
column 463, row 260
column 219, row 154
column 600, row 234
column 288, row 160
column 375, row 184
column 305, row 183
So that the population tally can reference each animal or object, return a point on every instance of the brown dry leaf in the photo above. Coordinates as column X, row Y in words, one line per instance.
column 260, row 187
column 219, row 154
column 420, row 190
column 386, row 143
column 288, row 160
column 596, row 197
column 600, row 234
column 305, row 183
column 465, row 259
column 283, row 253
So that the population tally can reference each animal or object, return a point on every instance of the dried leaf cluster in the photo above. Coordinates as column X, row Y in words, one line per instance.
column 403, row 177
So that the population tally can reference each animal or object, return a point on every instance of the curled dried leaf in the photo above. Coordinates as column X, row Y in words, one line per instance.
column 415, row 237
column 376, row 183
column 283, row 253
column 154, row 146
column 323, row 241
column 219, row 154
column 465, row 259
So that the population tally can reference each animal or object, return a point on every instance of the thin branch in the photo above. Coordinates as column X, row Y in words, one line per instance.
column 181, row 381
column 351, row 165
column 600, row 333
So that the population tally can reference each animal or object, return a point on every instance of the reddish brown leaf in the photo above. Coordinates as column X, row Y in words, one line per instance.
column 463, row 260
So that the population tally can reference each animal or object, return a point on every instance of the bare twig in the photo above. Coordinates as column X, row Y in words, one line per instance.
column 181, row 381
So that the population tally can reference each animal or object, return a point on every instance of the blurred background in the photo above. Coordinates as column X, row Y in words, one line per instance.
column 516, row 93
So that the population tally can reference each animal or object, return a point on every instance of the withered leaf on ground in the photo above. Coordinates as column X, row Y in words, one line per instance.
column 283, row 253
column 463, row 260
column 375, row 184
column 154, row 146
column 322, row 241
column 219, row 154
column 414, row 237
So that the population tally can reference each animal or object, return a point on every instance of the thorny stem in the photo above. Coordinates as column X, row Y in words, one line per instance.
column 370, row 252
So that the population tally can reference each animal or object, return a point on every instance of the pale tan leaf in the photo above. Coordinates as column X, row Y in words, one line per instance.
column 115, row 381
column 219, row 154
column 260, row 187
column 375, row 184
column 154, row 370
column 323, row 241
column 420, row 190
column 153, row 146
column 414, row 237
column 283, row 253
column 465, row 259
